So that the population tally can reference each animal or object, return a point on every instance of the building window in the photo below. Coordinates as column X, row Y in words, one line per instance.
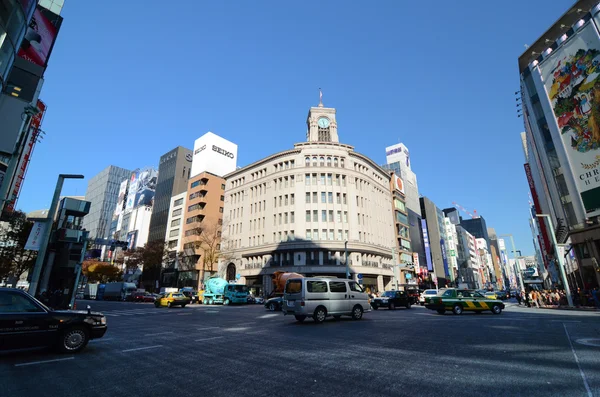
column 342, row 163
column 176, row 212
column 292, row 218
column 285, row 218
column 338, row 198
column 324, row 234
column 343, row 180
column 222, row 186
column 314, row 161
column 280, row 218
column 178, row 202
column 346, row 235
column 346, row 216
column 323, row 216
column 339, row 234
column 322, row 179
column 174, row 233
column 221, row 210
column 175, row 222
column 307, row 179
column 285, row 181
column 314, row 179
column 339, row 216
column 307, row 161
column 286, row 200
column 329, row 179
column 308, row 234
column 222, row 198
column 307, row 198
column 315, row 216
column 330, row 216
column 330, row 234
column 345, row 201
column 307, row 216
column 323, row 197
column 335, row 161
column 322, row 161
column 195, row 184
column 314, row 199
column 329, row 161
column 330, row 197
column 292, row 201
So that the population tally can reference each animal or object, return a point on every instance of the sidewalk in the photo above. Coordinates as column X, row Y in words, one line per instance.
column 578, row 308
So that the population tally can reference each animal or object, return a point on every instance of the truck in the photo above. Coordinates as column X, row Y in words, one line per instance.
column 90, row 291
column 218, row 291
column 274, row 301
column 118, row 291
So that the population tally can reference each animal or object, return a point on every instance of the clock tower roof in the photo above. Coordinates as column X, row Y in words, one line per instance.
column 321, row 124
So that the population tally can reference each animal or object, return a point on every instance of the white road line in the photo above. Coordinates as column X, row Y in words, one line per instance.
column 44, row 362
column 101, row 340
column 159, row 333
column 141, row 348
column 585, row 382
column 203, row 339
column 203, row 329
column 566, row 321
column 269, row 315
column 184, row 314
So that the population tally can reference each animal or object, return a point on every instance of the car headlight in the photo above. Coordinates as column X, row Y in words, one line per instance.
column 103, row 320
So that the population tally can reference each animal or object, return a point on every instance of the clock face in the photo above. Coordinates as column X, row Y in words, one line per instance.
column 323, row 122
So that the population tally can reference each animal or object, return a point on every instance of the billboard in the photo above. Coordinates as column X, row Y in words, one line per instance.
column 131, row 240
column 213, row 154
column 40, row 36
column 142, row 186
column 34, row 241
column 426, row 244
column 133, row 181
column 398, row 184
column 121, row 199
column 571, row 77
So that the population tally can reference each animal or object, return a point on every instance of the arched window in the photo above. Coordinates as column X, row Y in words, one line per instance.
column 335, row 161
column 230, row 272
column 322, row 161
column 329, row 161
column 342, row 163
column 307, row 161
column 314, row 161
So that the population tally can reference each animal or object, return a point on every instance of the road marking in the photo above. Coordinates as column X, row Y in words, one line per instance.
column 44, row 362
column 585, row 382
column 595, row 342
column 203, row 329
column 566, row 321
column 203, row 339
column 101, row 340
column 159, row 333
column 269, row 316
column 184, row 314
column 236, row 329
column 140, row 348
column 212, row 311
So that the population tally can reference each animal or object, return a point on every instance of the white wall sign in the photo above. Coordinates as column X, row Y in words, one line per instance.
column 214, row 154
column 35, row 236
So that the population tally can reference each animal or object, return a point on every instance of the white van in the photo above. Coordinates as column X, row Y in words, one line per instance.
column 320, row 297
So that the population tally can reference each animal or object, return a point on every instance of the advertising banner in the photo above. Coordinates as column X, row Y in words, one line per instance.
column 121, row 199
column 146, row 187
column 398, row 184
column 133, row 182
column 416, row 259
column 131, row 240
column 214, row 154
column 444, row 257
column 572, row 79
column 35, row 236
column 40, row 36
column 426, row 244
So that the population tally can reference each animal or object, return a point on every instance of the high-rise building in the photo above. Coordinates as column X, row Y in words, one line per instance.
column 296, row 210
column 103, row 193
column 402, row 235
column 467, row 259
column 174, row 233
column 559, row 92
column 173, row 173
column 433, row 227
column 477, row 227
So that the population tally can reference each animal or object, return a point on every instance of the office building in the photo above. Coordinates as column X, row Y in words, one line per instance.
column 559, row 92
column 174, row 233
column 477, row 227
column 103, row 194
column 174, row 171
column 296, row 209
column 434, row 231
column 467, row 260
column 403, row 252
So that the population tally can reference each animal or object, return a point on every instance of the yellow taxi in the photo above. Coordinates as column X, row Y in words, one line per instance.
column 170, row 299
column 490, row 295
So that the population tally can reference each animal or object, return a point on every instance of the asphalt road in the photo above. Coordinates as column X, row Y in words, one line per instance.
column 248, row 351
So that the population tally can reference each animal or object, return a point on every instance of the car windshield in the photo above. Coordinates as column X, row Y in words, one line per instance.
column 240, row 288
column 177, row 295
column 389, row 294
column 431, row 292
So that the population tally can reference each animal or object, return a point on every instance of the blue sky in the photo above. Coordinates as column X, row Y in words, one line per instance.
column 126, row 83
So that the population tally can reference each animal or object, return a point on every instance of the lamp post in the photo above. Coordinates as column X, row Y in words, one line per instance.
column 516, row 268
column 39, row 262
column 347, row 264
column 559, row 258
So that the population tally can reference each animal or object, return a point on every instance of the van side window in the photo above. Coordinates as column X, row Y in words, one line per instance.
column 293, row 286
column 337, row 286
column 354, row 287
column 316, row 286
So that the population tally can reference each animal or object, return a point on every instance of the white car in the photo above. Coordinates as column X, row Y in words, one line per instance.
column 428, row 293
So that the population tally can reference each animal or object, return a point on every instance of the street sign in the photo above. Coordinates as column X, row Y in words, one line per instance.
column 359, row 276
column 408, row 276
column 529, row 272
column 360, row 281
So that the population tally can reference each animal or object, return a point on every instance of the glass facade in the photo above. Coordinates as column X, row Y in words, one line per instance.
column 14, row 16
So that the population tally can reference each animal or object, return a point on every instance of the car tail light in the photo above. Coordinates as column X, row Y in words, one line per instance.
column 440, row 300
column 302, row 303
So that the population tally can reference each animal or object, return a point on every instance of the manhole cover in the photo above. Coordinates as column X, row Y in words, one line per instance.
column 589, row 342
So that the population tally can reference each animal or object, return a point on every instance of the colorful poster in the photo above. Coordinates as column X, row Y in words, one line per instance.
column 133, row 183
column 40, row 36
column 572, row 79
column 398, row 184
column 121, row 199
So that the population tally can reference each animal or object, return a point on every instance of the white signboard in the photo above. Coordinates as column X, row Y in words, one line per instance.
column 214, row 154
column 35, row 237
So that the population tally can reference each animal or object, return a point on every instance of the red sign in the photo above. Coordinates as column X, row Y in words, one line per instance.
column 545, row 242
column 40, row 36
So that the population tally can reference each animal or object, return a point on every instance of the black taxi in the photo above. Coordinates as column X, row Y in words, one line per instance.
column 25, row 323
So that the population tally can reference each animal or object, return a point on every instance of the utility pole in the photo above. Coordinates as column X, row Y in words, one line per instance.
column 347, row 264
column 559, row 258
column 395, row 269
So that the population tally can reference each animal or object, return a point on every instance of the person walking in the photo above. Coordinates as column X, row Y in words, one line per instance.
column 518, row 296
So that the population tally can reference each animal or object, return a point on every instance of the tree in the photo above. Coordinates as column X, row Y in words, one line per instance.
column 152, row 257
column 208, row 247
column 15, row 260
column 101, row 272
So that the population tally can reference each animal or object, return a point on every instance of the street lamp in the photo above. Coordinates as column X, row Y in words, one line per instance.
column 559, row 257
column 516, row 269
column 39, row 262
column 346, row 255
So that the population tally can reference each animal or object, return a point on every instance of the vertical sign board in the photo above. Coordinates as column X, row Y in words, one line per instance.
column 35, row 236
column 444, row 257
column 572, row 81
column 426, row 244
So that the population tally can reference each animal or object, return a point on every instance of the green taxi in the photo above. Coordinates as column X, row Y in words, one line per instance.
column 459, row 300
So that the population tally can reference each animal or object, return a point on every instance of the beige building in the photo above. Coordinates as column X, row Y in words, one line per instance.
column 202, row 220
column 404, row 255
column 295, row 210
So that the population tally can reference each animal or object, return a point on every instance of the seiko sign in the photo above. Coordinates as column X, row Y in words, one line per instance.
column 221, row 151
column 201, row 148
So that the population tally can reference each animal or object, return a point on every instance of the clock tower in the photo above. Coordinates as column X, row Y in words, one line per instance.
column 321, row 124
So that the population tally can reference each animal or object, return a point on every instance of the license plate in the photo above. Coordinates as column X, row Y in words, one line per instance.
column 291, row 303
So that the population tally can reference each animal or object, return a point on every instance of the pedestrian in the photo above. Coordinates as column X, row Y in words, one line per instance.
column 518, row 296
column 596, row 297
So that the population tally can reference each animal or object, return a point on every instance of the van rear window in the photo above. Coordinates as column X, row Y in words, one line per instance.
column 293, row 286
column 316, row 286
column 337, row 286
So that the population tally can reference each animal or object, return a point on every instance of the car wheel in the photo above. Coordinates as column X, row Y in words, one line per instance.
column 457, row 309
column 182, row 306
column 300, row 318
column 211, row 301
column 375, row 307
column 441, row 311
column 408, row 305
column 392, row 306
column 320, row 314
column 272, row 306
column 496, row 309
column 205, row 301
column 357, row 312
column 169, row 304
column 226, row 302
column 73, row 339
column 156, row 304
